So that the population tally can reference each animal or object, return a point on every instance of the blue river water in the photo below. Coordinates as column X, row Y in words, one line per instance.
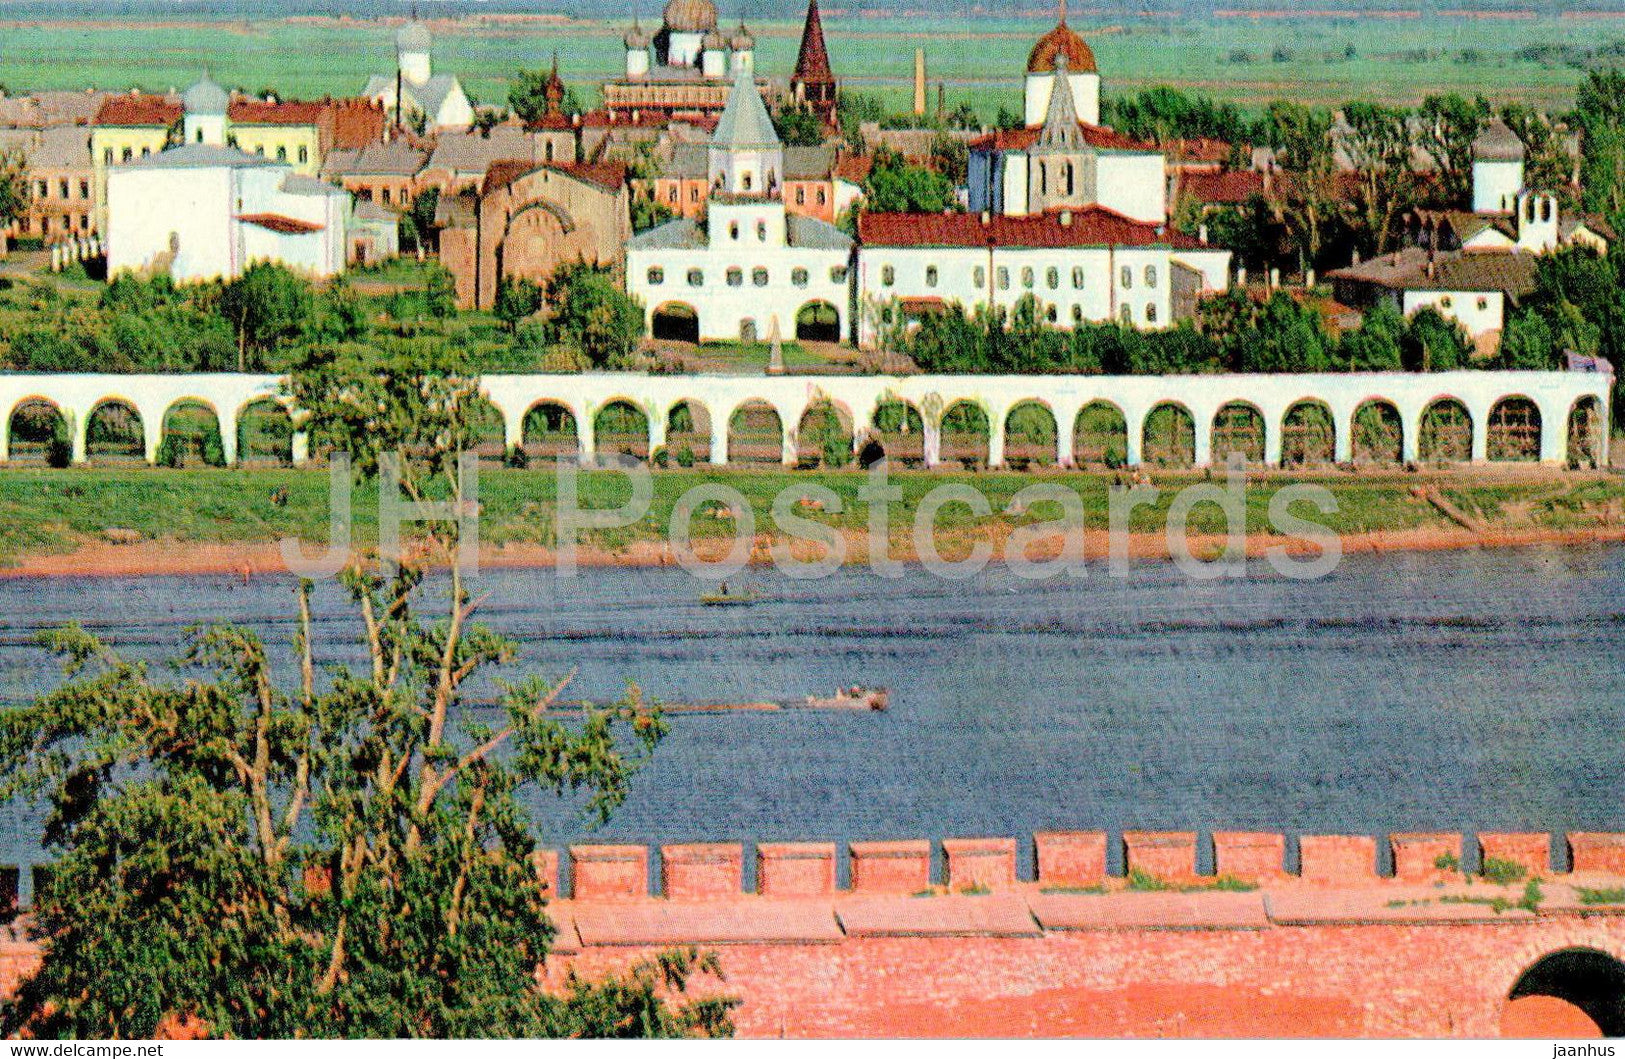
column 1450, row 691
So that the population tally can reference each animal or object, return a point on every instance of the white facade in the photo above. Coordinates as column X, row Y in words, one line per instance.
column 1478, row 312
column 1085, row 96
column 200, row 212
column 1496, row 184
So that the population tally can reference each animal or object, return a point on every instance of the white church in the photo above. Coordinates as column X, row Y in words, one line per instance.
column 204, row 210
column 415, row 89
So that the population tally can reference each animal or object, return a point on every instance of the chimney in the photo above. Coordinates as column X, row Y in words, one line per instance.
column 919, row 82
column 1241, row 276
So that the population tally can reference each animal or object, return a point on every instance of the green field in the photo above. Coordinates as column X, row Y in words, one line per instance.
column 980, row 61
column 54, row 512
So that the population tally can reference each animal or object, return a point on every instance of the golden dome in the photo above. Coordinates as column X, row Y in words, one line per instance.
column 1080, row 58
column 691, row 16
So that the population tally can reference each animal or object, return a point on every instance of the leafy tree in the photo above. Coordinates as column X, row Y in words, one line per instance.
column 417, row 224
column 517, row 298
column 527, row 96
column 266, row 305
column 1600, row 114
column 1164, row 114
column 799, row 127
column 1377, row 345
column 1528, row 343
column 950, row 156
column 592, row 315
column 1278, row 335
column 1546, row 163
column 896, row 186
column 1379, row 147
column 13, row 187
column 1302, row 138
column 342, row 855
column 1434, row 342
column 1450, row 124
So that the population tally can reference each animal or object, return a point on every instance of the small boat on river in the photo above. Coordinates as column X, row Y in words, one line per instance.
column 725, row 598
column 844, row 700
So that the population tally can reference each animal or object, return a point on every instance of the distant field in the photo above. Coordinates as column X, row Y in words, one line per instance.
column 1248, row 60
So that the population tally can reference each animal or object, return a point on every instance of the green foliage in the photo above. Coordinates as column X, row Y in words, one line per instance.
column 1163, row 114
column 1600, row 113
column 1434, row 342
column 1450, row 124
column 1502, row 872
column 13, row 187
column 517, row 298
column 593, row 315
column 1546, row 162
column 1589, row 896
column 799, row 127
column 1379, row 146
column 417, row 225
column 267, row 305
column 527, row 95
column 896, row 186
column 1378, row 343
column 1447, row 862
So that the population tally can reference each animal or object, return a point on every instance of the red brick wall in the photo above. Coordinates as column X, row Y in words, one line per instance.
column 697, row 872
column 891, row 867
column 795, row 869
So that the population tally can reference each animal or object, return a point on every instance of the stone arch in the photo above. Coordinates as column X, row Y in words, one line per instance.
column 675, row 321
column 967, row 435
column 1030, row 435
column 38, row 434
column 1169, row 436
column 1238, row 430
column 818, row 321
column 688, row 433
column 1100, row 436
column 755, row 433
column 549, row 432
column 899, row 429
column 621, row 428
column 824, row 435
column 1308, row 435
column 1586, row 435
column 265, row 433
column 1514, row 431
column 490, row 435
column 1379, row 433
column 1585, row 978
column 1446, row 432
column 190, row 436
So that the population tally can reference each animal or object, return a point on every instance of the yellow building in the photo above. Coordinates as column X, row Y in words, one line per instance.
column 126, row 128
column 287, row 132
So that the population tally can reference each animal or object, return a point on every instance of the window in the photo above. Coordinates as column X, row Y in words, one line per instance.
column 231, row 141
column 801, row 196
column 696, row 277
column 931, row 276
column 1150, row 314
column 387, row 194
column 1126, row 314
column 1150, row 275
column 1483, row 304
column 1077, row 277
column 823, row 196
column 1077, row 314
column 761, row 231
column 128, row 154
column 657, row 276
column 1070, row 185
column 694, row 194
column 107, row 156
column 547, row 152
column 799, row 277
column 735, row 277
column 746, row 183
column 978, row 277
column 673, row 196
column 84, row 189
column 888, row 276
column 200, row 136
column 42, row 189
column 304, row 153
column 1051, row 314
column 1027, row 278
column 1446, row 302
column 1053, row 278
column 282, row 154
column 62, row 186
column 837, row 274
column 758, row 277
column 146, row 152
column 260, row 150
column 733, row 231
column 1004, row 279
column 1127, row 278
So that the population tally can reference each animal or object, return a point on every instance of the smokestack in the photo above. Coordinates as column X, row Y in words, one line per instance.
column 919, row 82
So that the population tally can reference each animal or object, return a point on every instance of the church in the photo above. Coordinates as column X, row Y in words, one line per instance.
column 415, row 90
column 684, row 69
column 1062, row 157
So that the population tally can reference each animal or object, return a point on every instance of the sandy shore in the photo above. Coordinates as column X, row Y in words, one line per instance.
column 163, row 558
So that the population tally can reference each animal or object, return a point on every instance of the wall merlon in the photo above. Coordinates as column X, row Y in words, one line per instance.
column 1251, row 856
column 1070, row 858
column 697, row 872
column 1597, row 852
column 795, row 869
column 1530, row 851
column 545, row 863
column 891, row 867
column 980, row 863
column 1417, row 856
column 609, row 873
column 1169, row 855
column 1337, row 859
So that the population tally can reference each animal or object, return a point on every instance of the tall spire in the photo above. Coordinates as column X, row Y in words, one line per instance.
column 812, row 66
column 1061, row 120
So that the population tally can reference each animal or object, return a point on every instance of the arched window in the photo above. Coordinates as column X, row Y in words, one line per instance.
column 1069, row 179
column 657, row 276
column 1546, row 209
column 1127, row 278
column 1027, row 278
column 733, row 231
column 761, row 231
column 547, row 152
column 1043, row 178
column 1052, row 314
column 823, row 196
column 801, row 196
column 746, row 183
column 304, row 154
column 736, row 277
column 1126, row 314
column 888, row 276
column 1077, row 277
column 931, row 276
column 759, row 277
column 1053, row 278
column 799, row 277
column 672, row 196
column 979, row 277
column 1077, row 314
column 696, row 277
column 1150, row 314
column 837, row 274
column 1151, row 276
column 1004, row 279
column 282, row 154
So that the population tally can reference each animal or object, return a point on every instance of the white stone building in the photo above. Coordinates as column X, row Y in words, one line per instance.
column 748, row 267
column 415, row 89
column 1089, row 265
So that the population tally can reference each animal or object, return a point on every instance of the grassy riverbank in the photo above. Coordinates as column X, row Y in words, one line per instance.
column 92, row 512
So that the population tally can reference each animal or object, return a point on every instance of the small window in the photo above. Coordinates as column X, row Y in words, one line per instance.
column 1150, row 275
column 1126, row 314
column 1004, row 279
column 304, row 153
column 1077, row 314
column 736, row 277
column 1027, row 278
column 128, row 154
column 657, row 276
column 694, row 194
column 761, row 231
column 801, row 196
column 200, row 136
column 837, row 274
column 1150, row 314
column 260, row 150
column 931, row 276
column 1127, row 278
column 746, row 183
column 107, row 156
column 1483, row 304
column 888, row 276
column 84, row 189
column 696, row 277
column 282, row 154
column 547, row 152
column 758, row 277
column 823, row 196
column 387, row 194
column 1051, row 314
column 62, row 186
column 1447, row 302
column 1053, row 278
column 146, row 152
column 799, row 277
column 1077, row 277
column 733, row 231
column 673, row 196
column 42, row 189
column 979, row 277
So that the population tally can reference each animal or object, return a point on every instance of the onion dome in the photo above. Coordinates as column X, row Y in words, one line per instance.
column 413, row 37
column 206, row 98
column 636, row 39
column 1080, row 58
column 714, row 41
column 691, row 16
column 742, row 40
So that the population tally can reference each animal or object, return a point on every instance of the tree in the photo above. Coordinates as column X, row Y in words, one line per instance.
column 266, row 305
column 1450, row 125
column 1379, row 147
column 517, row 298
column 592, row 315
column 896, row 186
column 1600, row 113
column 417, row 224
column 1546, row 163
column 1434, row 342
column 527, row 96
column 1302, row 138
column 346, row 855
column 13, row 187
column 1527, row 343
column 799, row 127
column 1377, row 344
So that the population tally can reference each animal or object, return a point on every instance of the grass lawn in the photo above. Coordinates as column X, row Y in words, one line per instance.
column 52, row 512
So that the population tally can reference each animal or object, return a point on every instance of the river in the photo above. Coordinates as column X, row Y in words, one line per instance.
column 1443, row 691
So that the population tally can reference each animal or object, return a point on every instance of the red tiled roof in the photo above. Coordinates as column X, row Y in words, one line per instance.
column 278, row 223
column 1223, row 188
column 1097, row 136
column 288, row 112
column 1090, row 226
column 853, row 168
column 603, row 119
column 140, row 110
column 357, row 123
column 610, row 175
